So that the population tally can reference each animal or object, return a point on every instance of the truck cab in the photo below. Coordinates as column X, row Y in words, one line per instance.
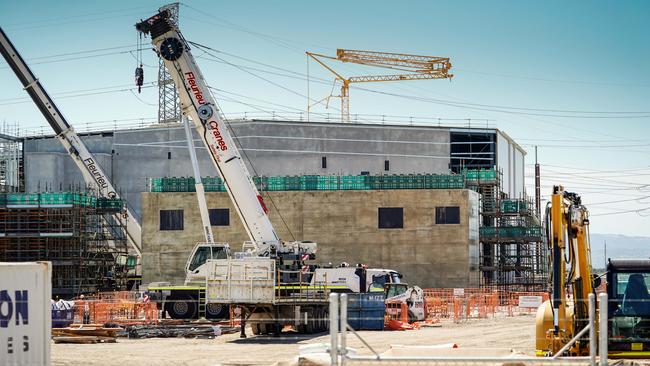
column 196, row 269
column 354, row 279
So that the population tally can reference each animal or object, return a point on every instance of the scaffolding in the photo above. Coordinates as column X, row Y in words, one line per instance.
column 513, row 255
column 76, row 231
column 11, row 159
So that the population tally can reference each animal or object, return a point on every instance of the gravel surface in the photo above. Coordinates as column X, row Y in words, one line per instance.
column 516, row 333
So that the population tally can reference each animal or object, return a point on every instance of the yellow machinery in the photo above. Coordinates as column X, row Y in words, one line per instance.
column 558, row 319
column 566, row 313
column 415, row 67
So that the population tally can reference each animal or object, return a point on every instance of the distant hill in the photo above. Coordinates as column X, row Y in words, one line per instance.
column 618, row 246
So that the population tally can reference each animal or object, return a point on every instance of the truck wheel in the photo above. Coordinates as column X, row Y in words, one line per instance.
column 312, row 321
column 216, row 311
column 323, row 322
column 326, row 319
column 255, row 328
column 181, row 307
column 264, row 328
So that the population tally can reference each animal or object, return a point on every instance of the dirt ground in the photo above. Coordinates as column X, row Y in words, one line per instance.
column 516, row 333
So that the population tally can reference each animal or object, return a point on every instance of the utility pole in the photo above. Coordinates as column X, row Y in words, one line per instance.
column 538, row 198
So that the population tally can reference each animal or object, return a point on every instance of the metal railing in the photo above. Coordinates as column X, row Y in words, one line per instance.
column 359, row 119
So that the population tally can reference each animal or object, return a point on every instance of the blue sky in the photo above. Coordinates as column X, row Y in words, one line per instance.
column 542, row 72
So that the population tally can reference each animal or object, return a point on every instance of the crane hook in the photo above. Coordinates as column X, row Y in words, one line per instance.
column 139, row 77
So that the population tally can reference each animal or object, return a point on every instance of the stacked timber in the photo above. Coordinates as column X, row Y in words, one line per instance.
column 85, row 333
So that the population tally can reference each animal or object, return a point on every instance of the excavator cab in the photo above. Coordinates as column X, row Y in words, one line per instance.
column 628, row 281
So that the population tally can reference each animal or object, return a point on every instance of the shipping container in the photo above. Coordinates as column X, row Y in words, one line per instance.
column 366, row 311
column 25, row 292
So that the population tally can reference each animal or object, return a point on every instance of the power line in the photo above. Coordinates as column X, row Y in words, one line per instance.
column 51, row 23
column 58, row 19
column 498, row 109
column 77, row 58
column 553, row 80
column 86, row 94
column 626, row 114
column 639, row 211
column 618, row 201
column 593, row 171
column 206, row 48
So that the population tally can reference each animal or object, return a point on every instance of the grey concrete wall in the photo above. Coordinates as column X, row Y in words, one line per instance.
column 345, row 226
column 272, row 148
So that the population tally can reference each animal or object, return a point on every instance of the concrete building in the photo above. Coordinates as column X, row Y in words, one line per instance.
column 430, row 236
column 346, row 224
column 280, row 148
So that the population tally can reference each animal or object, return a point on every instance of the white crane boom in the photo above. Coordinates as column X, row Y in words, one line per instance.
column 198, row 183
column 197, row 102
column 92, row 172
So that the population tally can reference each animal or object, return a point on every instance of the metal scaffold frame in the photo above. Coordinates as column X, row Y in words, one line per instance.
column 79, row 235
column 513, row 256
column 11, row 159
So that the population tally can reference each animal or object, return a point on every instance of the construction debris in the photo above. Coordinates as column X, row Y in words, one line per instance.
column 208, row 331
column 86, row 334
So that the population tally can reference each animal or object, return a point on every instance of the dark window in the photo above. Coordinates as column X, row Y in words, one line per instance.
column 219, row 216
column 391, row 218
column 169, row 155
column 448, row 215
column 386, row 165
column 323, row 162
column 171, row 219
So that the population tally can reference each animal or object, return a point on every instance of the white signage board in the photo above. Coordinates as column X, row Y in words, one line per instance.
column 459, row 292
column 530, row 301
column 25, row 313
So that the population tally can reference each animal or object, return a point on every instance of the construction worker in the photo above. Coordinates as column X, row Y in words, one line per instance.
column 86, row 318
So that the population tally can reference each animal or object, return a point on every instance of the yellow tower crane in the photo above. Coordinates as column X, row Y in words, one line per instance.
column 415, row 67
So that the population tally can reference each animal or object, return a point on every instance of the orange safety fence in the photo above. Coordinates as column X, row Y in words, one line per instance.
column 458, row 304
column 121, row 308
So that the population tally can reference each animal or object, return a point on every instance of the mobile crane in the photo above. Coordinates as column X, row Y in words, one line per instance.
column 198, row 103
column 92, row 172
column 559, row 319
column 270, row 279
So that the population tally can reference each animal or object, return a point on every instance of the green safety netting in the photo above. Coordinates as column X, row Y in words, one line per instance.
column 331, row 183
column 59, row 198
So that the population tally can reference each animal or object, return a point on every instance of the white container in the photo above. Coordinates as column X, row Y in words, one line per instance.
column 25, row 314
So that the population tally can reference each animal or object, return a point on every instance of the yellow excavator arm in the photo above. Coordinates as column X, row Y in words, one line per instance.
column 567, row 224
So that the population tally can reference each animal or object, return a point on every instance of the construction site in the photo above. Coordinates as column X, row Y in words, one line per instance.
column 316, row 236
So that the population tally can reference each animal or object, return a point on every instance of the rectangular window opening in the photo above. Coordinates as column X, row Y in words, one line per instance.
column 386, row 165
column 219, row 216
column 323, row 162
column 448, row 215
column 391, row 218
column 171, row 220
